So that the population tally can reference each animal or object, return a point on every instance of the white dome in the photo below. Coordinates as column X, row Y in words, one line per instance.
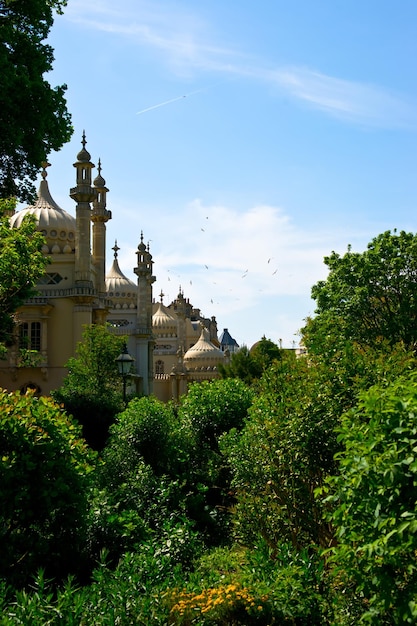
column 54, row 223
column 203, row 353
column 118, row 286
column 163, row 320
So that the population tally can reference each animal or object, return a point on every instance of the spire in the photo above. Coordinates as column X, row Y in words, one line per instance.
column 142, row 246
column 116, row 249
column 83, row 155
column 44, row 165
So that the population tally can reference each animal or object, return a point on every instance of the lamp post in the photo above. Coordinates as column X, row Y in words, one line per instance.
column 124, row 363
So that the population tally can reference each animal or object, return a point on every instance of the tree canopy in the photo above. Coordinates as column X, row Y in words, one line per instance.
column 369, row 296
column 22, row 263
column 33, row 116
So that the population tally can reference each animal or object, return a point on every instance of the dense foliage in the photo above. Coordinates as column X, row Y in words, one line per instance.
column 22, row 263
column 33, row 116
column 290, row 500
column 375, row 498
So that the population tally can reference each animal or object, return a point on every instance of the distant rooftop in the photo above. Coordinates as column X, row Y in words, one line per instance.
column 227, row 342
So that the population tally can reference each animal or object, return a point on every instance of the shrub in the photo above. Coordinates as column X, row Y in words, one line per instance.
column 375, row 497
column 44, row 481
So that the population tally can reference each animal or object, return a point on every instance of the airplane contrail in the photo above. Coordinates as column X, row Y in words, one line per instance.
column 162, row 104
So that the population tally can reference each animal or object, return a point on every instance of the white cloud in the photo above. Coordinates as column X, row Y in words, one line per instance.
column 228, row 260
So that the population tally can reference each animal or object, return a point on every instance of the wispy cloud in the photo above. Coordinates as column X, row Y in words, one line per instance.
column 358, row 102
column 180, row 36
column 186, row 43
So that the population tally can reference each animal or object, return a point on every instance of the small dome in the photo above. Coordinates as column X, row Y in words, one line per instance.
column 203, row 353
column 55, row 224
column 99, row 180
column 117, row 284
column 163, row 320
column 83, row 156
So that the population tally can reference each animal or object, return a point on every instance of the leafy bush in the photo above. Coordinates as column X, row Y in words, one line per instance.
column 212, row 408
column 142, row 433
column 44, row 482
column 375, row 497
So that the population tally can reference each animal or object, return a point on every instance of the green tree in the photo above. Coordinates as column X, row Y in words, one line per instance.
column 248, row 365
column 242, row 365
column 22, row 263
column 33, row 116
column 369, row 296
column 287, row 446
column 281, row 455
column 44, row 481
column 92, row 390
column 375, row 495
column 265, row 352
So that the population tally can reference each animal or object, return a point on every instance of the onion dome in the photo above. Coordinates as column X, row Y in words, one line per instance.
column 163, row 321
column 119, row 288
column 83, row 156
column 54, row 223
column 203, row 354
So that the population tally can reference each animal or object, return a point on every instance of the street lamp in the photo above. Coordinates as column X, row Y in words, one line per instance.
column 124, row 363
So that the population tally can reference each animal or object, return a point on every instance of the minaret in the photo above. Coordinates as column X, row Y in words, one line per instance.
column 83, row 194
column 181, row 311
column 144, row 337
column 99, row 216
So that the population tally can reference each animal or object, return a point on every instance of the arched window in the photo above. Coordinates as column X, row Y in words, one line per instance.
column 159, row 367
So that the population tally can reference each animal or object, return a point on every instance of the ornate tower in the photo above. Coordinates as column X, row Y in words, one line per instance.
column 99, row 216
column 83, row 194
column 84, row 293
column 144, row 338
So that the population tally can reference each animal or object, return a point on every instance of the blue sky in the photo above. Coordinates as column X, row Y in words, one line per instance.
column 297, row 136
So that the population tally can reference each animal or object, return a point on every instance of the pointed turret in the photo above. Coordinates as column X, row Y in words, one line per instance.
column 99, row 216
column 83, row 194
